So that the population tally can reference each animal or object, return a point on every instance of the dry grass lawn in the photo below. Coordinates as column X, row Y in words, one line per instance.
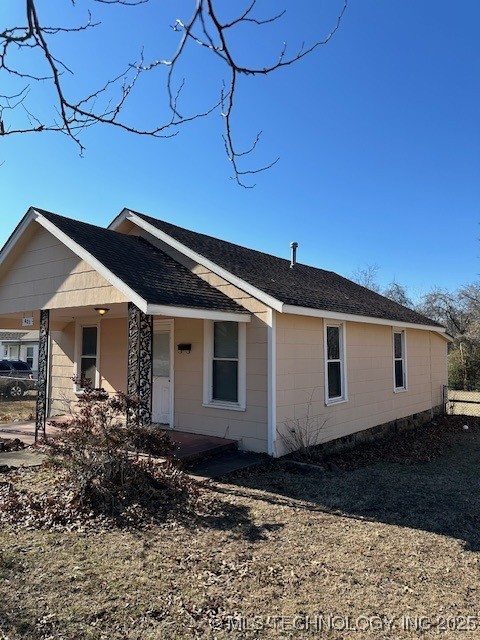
column 23, row 409
column 382, row 547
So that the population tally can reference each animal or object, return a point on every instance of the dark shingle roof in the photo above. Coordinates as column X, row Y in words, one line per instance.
column 301, row 286
column 150, row 272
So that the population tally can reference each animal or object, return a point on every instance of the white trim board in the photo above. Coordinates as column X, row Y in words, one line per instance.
column 18, row 232
column 202, row 314
column 273, row 303
column 272, row 383
column 350, row 317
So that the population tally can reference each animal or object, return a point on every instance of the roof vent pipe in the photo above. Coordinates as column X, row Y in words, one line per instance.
column 293, row 247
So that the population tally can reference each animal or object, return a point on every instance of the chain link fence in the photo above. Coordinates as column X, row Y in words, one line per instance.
column 461, row 403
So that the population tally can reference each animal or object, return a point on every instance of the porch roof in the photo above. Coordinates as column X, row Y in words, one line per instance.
column 148, row 271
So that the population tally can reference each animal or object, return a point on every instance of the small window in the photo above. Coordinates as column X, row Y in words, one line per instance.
column 88, row 359
column 399, row 369
column 335, row 383
column 30, row 357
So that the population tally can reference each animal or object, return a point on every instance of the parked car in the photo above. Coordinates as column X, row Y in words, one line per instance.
column 16, row 377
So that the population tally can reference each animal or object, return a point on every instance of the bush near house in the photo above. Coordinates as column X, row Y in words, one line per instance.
column 107, row 467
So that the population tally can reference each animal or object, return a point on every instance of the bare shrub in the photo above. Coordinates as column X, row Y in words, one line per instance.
column 108, row 463
column 301, row 435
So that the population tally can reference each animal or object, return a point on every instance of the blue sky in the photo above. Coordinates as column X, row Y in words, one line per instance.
column 378, row 135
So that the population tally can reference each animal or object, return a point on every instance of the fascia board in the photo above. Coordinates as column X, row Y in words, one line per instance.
column 215, row 268
column 202, row 314
column 117, row 221
column 82, row 253
column 350, row 317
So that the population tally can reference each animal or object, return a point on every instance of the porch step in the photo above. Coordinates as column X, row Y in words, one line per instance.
column 193, row 447
column 223, row 464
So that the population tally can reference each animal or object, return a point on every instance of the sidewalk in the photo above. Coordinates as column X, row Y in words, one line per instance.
column 23, row 458
column 23, row 430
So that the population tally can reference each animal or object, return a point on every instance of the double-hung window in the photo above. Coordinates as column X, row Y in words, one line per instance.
column 89, row 356
column 225, row 364
column 29, row 357
column 399, row 361
column 335, row 378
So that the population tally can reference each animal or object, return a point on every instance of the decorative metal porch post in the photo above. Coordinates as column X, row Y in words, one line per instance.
column 139, row 374
column 41, row 405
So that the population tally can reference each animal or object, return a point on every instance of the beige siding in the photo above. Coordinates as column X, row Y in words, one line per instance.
column 369, row 366
column 62, row 354
column 249, row 427
column 113, row 354
column 113, row 362
column 47, row 275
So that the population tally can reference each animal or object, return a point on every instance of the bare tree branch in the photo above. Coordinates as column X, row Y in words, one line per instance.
column 105, row 105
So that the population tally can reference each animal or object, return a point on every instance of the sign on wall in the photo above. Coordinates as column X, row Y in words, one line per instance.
column 27, row 322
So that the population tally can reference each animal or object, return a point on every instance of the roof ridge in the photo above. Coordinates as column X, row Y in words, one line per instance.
column 227, row 242
column 304, row 286
column 46, row 214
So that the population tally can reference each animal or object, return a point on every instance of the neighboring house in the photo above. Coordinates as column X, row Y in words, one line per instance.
column 214, row 338
column 20, row 345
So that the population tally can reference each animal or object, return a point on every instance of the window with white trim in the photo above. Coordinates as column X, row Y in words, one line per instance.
column 399, row 363
column 88, row 369
column 225, row 356
column 29, row 357
column 335, row 381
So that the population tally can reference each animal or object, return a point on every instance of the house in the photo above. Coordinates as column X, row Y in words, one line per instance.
column 214, row 338
column 20, row 345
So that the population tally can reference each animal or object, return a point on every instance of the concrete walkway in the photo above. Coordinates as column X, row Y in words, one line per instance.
column 24, row 431
column 23, row 458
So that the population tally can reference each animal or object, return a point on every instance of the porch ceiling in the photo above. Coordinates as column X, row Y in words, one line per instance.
column 59, row 318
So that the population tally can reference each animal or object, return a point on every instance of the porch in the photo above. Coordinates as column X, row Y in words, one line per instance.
column 157, row 359
column 190, row 446
column 99, row 299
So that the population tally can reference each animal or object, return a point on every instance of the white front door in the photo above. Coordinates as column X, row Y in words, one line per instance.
column 161, row 392
column 13, row 352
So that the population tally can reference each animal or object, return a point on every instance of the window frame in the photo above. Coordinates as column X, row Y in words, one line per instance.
column 403, row 359
column 79, row 327
column 208, row 359
column 342, row 360
column 32, row 357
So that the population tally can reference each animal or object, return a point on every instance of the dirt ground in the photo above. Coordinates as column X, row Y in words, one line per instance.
column 384, row 550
